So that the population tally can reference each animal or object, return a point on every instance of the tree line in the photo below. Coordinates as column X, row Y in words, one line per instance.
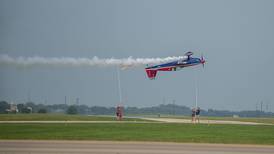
column 162, row 109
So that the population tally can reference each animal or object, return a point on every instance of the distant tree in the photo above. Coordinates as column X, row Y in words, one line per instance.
column 72, row 110
column 20, row 107
column 42, row 111
column 4, row 106
column 57, row 108
column 33, row 106
column 83, row 109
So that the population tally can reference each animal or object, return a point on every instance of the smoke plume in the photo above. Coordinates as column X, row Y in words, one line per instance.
column 79, row 62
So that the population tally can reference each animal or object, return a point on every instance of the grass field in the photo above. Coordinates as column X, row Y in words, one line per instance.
column 236, row 134
column 58, row 117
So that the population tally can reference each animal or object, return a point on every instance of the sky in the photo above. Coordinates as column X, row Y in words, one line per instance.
column 235, row 36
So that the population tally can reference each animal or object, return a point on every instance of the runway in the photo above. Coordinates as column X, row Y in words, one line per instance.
column 174, row 120
column 147, row 120
column 113, row 147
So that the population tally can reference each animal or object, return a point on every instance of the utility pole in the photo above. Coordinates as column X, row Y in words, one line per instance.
column 261, row 113
column 256, row 109
column 29, row 96
column 261, row 106
column 173, row 106
column 164, row 100
column 77, row 101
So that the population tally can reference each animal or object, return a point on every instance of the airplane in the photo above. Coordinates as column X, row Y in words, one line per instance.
column 175, row 65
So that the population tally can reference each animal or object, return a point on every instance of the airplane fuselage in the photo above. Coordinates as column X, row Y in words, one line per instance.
column 173, row 66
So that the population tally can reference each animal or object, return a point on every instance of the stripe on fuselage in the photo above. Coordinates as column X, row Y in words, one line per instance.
column 172, row 67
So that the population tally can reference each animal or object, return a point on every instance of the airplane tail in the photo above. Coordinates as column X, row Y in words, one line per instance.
column 151, row 74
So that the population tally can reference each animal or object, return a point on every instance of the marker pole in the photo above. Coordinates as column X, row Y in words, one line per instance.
column 196, row 92
column 119, row 85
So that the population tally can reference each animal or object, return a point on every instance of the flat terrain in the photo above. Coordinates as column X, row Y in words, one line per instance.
column 264, row 120
column 241, row 119
column 206, row 121
column 167, row 129
column 62, row 118
column 59, row 117
column 107, row 147
column 164, row 132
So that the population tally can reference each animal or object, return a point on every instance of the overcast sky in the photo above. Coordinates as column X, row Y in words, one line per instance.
column 235, row 36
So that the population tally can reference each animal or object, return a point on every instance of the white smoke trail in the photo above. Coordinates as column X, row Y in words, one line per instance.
column 78, row 62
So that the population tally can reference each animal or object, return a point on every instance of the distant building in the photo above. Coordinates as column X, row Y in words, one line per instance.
column 236, row 116
column 13, row 108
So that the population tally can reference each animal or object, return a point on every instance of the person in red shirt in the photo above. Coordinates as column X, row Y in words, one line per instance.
column 193, row 115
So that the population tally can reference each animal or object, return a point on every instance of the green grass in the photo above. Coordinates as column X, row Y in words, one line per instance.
column 236, row 134
column 58, row 117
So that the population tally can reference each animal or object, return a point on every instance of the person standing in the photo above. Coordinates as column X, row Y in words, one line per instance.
column 119, row 113
column 193, row 115
column 197, row 117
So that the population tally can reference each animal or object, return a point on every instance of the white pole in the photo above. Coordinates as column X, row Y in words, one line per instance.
column 119, row 84
column 196, row 96
column 196, row 91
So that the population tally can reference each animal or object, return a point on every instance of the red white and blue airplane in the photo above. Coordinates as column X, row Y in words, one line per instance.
column 174, row 65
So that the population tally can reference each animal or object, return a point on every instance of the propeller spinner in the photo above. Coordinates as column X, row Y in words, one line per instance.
column 203, row 60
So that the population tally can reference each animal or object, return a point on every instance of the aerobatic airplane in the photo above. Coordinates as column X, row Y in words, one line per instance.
column 174, row 65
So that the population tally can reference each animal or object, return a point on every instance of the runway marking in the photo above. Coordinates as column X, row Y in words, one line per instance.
column 174, row 120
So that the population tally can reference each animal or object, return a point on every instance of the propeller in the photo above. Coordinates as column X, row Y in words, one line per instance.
column 203, row 60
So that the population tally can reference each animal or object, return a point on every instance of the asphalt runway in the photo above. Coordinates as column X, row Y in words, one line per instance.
column 113, row 147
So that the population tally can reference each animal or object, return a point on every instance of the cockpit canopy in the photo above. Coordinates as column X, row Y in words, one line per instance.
column 189, row 53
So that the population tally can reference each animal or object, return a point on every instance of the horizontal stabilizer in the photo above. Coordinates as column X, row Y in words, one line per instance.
column 151, row 73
